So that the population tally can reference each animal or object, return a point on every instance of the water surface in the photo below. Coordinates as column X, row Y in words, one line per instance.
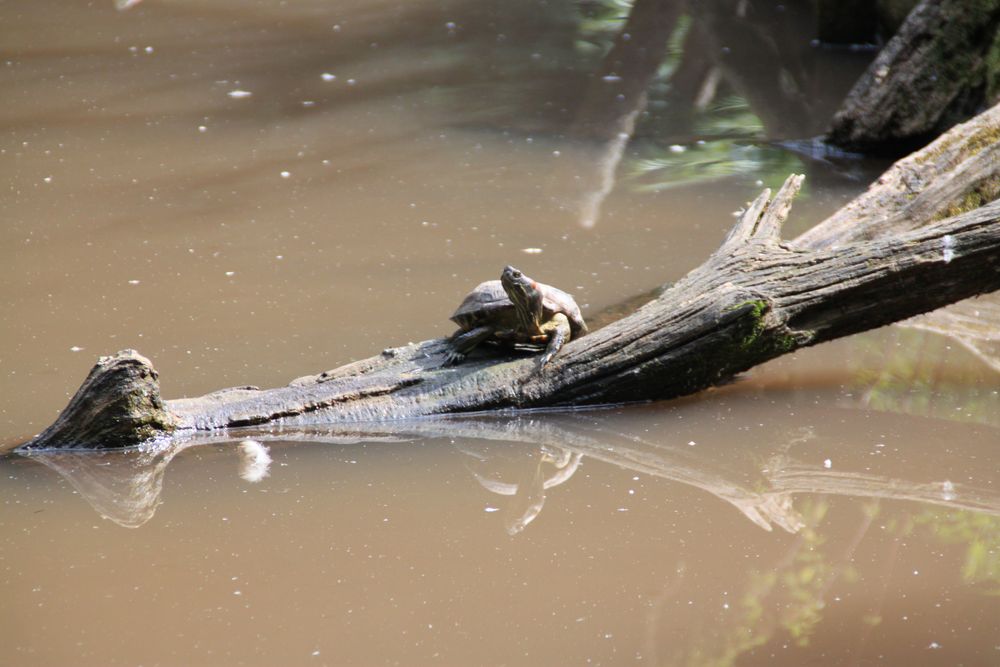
column 251, row 193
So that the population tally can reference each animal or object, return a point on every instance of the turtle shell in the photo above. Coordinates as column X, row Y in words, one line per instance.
column 489, row 303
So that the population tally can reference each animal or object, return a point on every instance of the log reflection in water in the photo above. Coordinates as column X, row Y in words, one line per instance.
column 125, row 487
column 975, row 323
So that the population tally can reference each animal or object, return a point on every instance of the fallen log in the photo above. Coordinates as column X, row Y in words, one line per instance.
column 940, row 68
column 754, row 299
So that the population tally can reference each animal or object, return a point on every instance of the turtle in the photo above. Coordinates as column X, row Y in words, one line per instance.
column 515, row 311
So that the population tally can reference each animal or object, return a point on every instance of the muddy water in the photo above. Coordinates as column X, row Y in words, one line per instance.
column 250, row 193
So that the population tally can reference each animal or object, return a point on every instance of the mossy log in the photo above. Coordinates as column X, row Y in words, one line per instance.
column 940, row 68
column 754, row 299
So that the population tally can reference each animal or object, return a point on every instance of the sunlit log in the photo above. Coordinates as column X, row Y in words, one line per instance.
column 925, row 235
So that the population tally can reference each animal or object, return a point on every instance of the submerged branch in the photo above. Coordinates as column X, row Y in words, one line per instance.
column 754, row 299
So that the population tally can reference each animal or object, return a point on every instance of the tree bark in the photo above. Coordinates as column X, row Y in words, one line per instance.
column 940, row 68
column 754, row 299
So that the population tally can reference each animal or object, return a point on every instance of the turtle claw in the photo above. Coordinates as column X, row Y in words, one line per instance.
column 454, row 358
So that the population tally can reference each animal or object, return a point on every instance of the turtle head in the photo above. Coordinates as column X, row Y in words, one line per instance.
column 525, row 294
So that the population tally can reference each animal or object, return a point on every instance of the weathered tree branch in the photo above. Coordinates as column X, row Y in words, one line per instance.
column 937, row 70
column 754, row 299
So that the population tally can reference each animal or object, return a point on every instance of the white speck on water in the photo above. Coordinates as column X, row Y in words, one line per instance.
column 691, row 443
column 239, row 94
column 76, row 348
column 47, row 179
column 631, row 492
column 450, row 25
column 725, row 605
column 490, row 508
column 286, row 174
column 948, row 248
column 315, row 653
column 916, row 572
column 556, row 153
column 531, row 251
column 327, row 76
column 948, row 490
column 351, row 82
column 237, row 592
column 149, row 49
column 202, row 128
column 677, row 148
column 230, row 273
column 308, row 103
column 611, row 78
column 933, row 645
column 133, row 282
column 622, row 509
column 828, row 464
column 758, row 183
column 279, row 256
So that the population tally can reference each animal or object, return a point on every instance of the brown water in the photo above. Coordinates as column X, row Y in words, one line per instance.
column 389, row 156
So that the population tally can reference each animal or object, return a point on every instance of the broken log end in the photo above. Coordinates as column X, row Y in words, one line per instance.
column 118, row 405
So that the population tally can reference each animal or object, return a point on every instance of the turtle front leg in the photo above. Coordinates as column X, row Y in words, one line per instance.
column 559, row 332
column 463, row 342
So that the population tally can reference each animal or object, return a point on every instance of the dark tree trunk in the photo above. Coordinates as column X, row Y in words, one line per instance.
column 940, row 68
column 754, row 299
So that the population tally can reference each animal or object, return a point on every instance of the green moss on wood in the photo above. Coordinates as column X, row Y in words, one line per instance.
column 760, row 341
column 986, row 136
column 980, row 194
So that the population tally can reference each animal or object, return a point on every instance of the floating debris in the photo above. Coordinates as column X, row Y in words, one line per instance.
column 255, row 461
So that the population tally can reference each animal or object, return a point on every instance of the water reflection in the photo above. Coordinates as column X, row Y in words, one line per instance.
column 769, row 488
column 535, row 478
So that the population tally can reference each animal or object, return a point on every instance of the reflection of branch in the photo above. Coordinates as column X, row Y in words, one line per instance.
column 974, row 323
column 616, row 96
column 767, row 70
column 799, row 479
column 125, row 486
